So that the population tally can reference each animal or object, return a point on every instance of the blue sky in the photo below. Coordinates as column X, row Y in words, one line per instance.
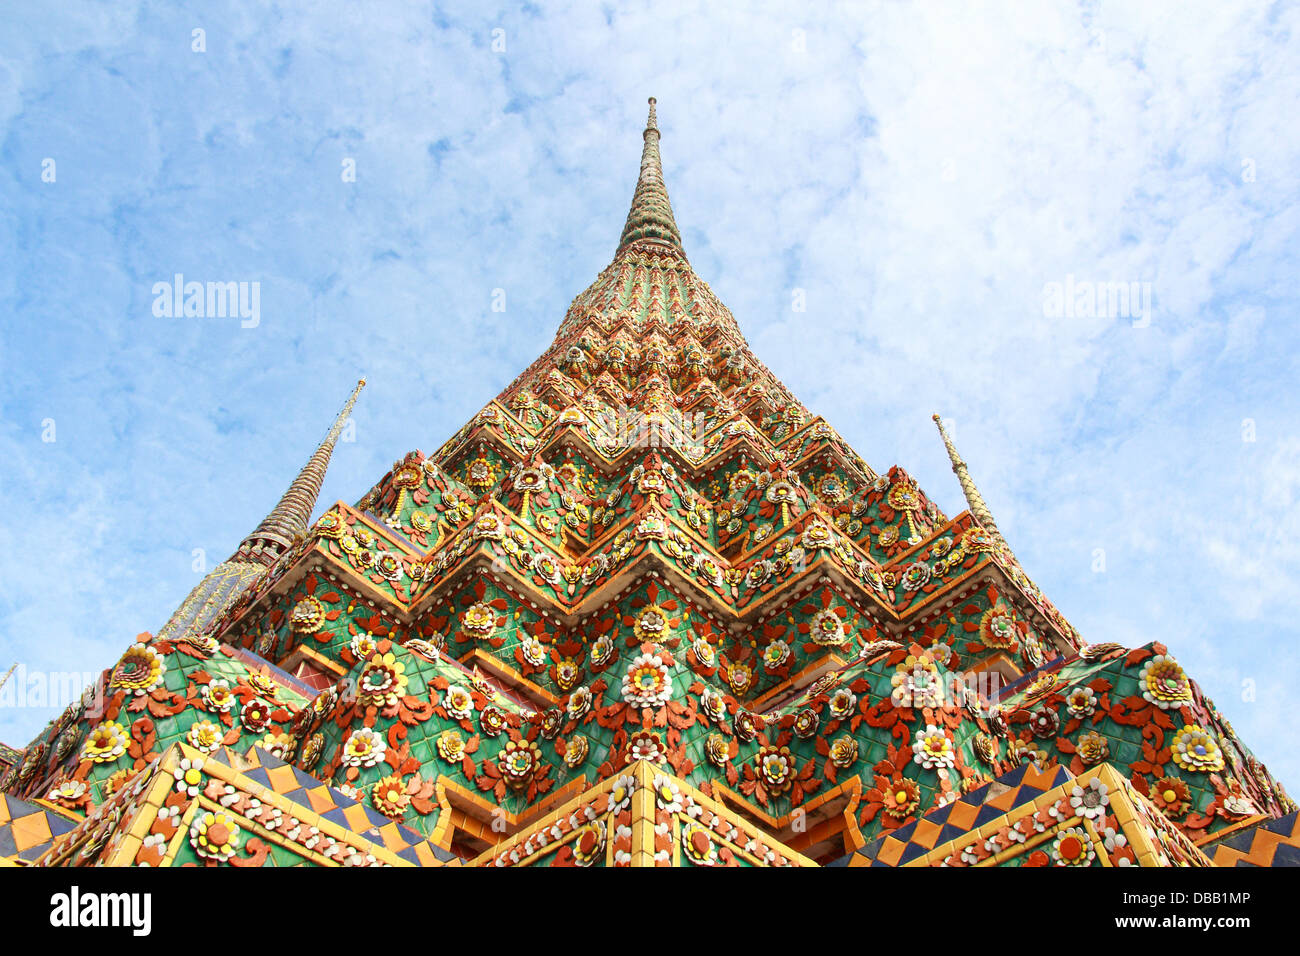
column 922, row 172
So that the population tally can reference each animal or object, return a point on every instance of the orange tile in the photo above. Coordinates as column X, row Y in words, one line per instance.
column 392, row 837
column 319, row 799
column 282, row 779
column 30, row 831
column 1041, row 779
column 1227, row 856
column 891, row 851
column 357, row 819
column 963, row 815
column 926, row 833
column 1005, row 801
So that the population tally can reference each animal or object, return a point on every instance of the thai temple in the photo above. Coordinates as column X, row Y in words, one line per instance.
column 644, row 609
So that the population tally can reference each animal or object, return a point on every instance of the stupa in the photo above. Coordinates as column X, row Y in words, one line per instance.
column 644, row 609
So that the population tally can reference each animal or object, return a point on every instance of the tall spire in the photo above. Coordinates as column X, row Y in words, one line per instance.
column 222, row 586
column 651, row 217
column 974, row 500
column 289, row 519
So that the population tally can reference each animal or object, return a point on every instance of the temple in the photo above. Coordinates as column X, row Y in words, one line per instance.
column 644, row 609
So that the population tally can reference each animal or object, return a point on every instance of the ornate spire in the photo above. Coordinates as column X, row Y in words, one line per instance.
column 974, row 500
column 651, row 217
column 289, row 519
column 221, row 587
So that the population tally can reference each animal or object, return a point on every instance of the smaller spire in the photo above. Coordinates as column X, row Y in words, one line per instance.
column 974, row 501
column 289, row 519
column 9, row 673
